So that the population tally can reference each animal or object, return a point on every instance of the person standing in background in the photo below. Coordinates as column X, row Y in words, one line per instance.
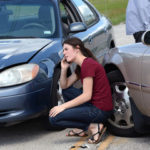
column 137, row 18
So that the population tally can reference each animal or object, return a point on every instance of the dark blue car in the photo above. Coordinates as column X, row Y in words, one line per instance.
column 31, row 36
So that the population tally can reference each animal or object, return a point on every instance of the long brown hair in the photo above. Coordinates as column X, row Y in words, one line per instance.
column 74, row 42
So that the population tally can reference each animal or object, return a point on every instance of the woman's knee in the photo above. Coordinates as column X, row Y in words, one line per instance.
column 52, row 121
column 70, row 93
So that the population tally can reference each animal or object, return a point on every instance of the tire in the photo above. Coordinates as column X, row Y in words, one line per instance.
column 56, row 99
column 121, row 122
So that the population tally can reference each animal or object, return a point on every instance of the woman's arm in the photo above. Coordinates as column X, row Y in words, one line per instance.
column 81, row 99
column 84, row 97
column 65, row 81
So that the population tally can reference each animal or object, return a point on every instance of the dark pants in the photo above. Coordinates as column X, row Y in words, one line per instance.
column 137, row 36
column 80, row 116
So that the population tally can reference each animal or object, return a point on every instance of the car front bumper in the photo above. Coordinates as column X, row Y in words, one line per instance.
column 23, row 102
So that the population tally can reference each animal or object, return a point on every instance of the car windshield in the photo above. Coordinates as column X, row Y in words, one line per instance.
column 27, row 19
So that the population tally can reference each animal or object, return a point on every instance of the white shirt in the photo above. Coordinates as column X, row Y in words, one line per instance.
column 137, row 16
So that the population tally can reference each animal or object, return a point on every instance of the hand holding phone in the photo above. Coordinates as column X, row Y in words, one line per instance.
column 64, row 63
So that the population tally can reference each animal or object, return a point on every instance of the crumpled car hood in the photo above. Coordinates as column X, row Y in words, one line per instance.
column 15, row 51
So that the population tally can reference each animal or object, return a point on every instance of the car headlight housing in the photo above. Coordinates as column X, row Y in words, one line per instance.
column 18, row 74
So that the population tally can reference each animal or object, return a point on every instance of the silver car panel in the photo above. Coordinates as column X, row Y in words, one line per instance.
column 145, row 80
column 126, row 58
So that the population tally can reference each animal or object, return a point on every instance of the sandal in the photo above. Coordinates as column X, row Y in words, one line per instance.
column 100, row 133
column 73, row 133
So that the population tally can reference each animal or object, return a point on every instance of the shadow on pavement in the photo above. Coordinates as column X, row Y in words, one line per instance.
column 26, row 131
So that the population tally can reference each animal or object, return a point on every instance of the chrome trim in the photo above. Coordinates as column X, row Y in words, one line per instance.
column 141, row 85
column 133, row 83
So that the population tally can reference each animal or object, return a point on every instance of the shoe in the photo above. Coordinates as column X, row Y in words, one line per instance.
column 101, row 133
column 73, row 133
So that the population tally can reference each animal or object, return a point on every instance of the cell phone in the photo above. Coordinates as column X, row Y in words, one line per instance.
column 67, row 61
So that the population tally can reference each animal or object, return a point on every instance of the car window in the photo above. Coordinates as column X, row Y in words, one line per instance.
column 64, row 18
column 27, row 19
column 88, row 14
column 64, row 14
column 68, row 16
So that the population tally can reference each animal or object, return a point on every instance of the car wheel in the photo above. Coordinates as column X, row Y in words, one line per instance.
column 56, row 94
column 56, row 97
column 121, row 122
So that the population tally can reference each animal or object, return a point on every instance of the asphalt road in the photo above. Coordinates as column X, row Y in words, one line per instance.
column 32, row 136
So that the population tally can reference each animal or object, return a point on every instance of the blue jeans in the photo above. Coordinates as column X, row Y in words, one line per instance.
column 80, row 116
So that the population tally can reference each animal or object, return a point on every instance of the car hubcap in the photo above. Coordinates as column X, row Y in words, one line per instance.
column 122, row 117
column 59, row 95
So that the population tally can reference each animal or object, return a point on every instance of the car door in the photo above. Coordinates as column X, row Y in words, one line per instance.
column 145, row 81
column 69, row 14
column 95, row 26
column 94, row 37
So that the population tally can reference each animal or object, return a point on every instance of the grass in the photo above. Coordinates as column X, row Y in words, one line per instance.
column 113, row 9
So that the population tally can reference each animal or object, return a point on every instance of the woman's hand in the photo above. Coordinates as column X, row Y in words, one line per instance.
column 64, row 64
column 56, row 110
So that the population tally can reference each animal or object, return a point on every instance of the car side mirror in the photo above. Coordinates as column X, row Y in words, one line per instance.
column 77, row 27
column 146, row 38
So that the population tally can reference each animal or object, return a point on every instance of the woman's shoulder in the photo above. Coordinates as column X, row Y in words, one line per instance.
column 91, row 61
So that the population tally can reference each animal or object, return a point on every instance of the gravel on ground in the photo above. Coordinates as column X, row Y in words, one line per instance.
column 120, row 35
